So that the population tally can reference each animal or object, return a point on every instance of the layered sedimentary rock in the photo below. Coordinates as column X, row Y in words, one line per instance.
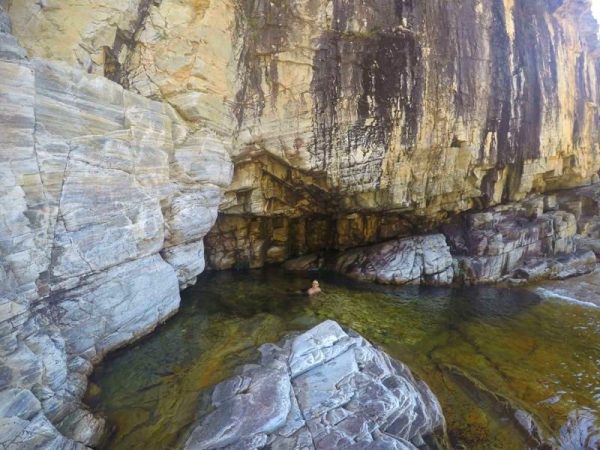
column 322, row 389
column 106, row 197
column 554, row 236
column 362, row 121
column 530, row 240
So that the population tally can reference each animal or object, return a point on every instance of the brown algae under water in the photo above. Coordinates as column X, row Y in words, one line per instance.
column 487, row 353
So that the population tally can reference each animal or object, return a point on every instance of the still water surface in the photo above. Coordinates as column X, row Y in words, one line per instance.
column 485, row 352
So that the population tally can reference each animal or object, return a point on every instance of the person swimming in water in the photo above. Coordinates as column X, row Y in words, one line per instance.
column 314, row 289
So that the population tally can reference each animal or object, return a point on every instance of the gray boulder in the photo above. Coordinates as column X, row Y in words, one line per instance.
column 322, row 389
column 416, row 260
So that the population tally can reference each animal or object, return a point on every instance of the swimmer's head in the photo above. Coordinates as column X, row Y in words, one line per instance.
column 315, row 283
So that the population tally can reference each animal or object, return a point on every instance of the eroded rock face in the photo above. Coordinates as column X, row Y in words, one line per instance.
column 545, row 237
column 342, row 107
column 322, row 389
column 106, row 197
column 493, row 244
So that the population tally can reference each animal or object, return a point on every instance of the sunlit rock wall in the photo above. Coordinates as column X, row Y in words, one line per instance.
column 430, row 106
column 415, row 109
column 105, row 199
column 179, row 51
column 423, row 108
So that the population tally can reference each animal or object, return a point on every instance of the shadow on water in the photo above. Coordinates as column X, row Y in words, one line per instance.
column 486, row 353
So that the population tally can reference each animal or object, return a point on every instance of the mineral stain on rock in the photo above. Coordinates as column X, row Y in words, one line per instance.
column 367, row 82
column 429, row 108
column 379, row 69
column 261, row 28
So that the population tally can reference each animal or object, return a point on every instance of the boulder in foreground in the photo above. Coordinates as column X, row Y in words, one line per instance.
column 322, row 389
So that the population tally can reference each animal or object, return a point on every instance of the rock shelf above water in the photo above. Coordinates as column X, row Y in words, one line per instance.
column 553, row 236
column 323, row 389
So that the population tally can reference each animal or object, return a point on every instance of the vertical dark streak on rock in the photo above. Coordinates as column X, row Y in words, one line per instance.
column 378, row 71
column 580, row 88
column 261, row 28
column 530, row 32
column 273, row 77
column 392, row 81
column 519, row 102
column 247, row 34
column 547, row 70
column 125, row 41
column 488, row 183
column 325, row 86
column 466, row 56
column 499, row 100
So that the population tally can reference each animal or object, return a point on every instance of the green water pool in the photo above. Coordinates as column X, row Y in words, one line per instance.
column 485, row 353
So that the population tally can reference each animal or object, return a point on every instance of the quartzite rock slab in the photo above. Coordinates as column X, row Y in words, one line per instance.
column 322, row 389
column 417, row 260
column 105, row 199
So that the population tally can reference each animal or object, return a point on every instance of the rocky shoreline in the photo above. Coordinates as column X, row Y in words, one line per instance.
column 546, row 237
column 583, row 290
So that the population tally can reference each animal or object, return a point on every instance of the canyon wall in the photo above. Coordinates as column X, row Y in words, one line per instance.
column 106, row 197
column 410, row 111
column 349, row 122
column 362, row 119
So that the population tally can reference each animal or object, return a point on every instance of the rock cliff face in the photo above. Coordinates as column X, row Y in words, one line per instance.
column 106, row 197
column 349, row 122
column 365, row 119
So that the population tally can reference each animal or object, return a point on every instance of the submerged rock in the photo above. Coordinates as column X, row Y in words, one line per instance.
column 322, row 389
column 581, row 431
column 584, row 290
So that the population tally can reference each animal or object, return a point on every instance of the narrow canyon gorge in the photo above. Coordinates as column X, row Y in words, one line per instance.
column 444, row 144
